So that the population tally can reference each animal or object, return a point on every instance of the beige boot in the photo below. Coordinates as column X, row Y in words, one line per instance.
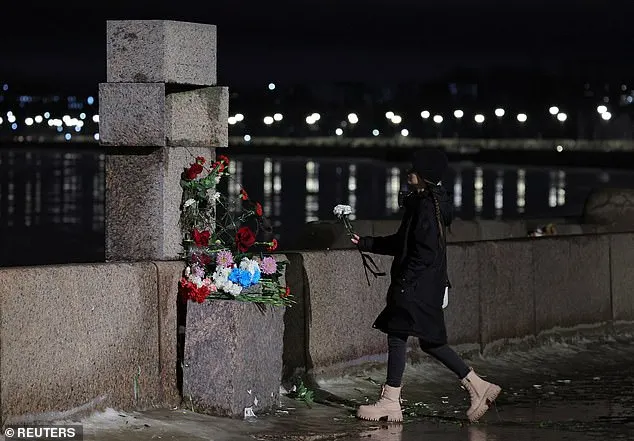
column 482, row 394
column 388, row 406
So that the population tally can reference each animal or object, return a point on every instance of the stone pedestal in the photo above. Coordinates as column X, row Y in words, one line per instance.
column 232, row 357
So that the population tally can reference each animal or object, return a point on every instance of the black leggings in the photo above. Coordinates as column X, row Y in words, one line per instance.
column 397, row 355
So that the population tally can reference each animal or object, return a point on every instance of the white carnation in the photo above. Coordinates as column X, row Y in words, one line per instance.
column 189, row 202
column 342, row 210
column 249, row 265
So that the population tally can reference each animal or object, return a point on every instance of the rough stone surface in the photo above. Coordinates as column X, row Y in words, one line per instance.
column 507, row 302
column 462, row 315
column 198, row 117
column 131, row 114
column 143, row 197
column 233, row 357
column 169, row 274
column 78, row 335
column 159, row 51
column 622, row 263
column 342, row 304
column 612, row 206
column 572, row 281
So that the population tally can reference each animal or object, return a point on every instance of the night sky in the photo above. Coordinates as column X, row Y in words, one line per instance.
column 62, row 43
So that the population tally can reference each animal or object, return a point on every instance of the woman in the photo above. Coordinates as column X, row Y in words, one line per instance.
column 418, row 283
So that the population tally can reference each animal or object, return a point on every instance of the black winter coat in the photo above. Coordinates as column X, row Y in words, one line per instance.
column 419, row 270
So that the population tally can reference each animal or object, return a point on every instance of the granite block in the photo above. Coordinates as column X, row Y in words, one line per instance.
column 78, row 335
column 462, row 315
column 132, row 114
column 507, row 301
column 198, row 117
column 232, row 357
column 622, row 265
column 340, row 302
column 161, row 51
column 572, row 281
column 143, row 197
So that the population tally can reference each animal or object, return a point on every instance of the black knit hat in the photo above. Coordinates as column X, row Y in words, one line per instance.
column 430, row 164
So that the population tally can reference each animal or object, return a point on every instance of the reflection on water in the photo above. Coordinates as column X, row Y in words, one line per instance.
column 55, row 199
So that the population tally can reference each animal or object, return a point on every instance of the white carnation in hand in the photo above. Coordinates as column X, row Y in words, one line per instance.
column 342, row 210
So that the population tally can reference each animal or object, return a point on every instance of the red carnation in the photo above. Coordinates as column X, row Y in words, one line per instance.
column 201, row 238
column 200, row 160
column 224, row 160
column 193, row 171
column 244, row 195
column 258, row 209
column 245, row 238
column 273, row 245
column 287, row 293
column 200, row 294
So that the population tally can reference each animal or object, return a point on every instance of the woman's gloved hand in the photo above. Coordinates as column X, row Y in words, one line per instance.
column 363, row 243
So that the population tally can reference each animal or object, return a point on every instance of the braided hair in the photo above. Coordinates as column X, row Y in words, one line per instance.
column 441, row 227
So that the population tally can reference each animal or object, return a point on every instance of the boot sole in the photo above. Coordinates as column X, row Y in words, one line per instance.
column 389, row 418
column 490, row 396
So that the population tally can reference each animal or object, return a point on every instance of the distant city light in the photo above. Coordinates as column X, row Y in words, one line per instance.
column 82, row 115
column 339, row 132
column 28, row 121
column 554, row 110
column 375, row 132
column 47, row 115
column 522, row 117
column 268, row 120
column 14, row 126
column 95, row 118
column 232, row 120
column 96, row 136
column 247, row 138
column 78, row 129
column 425, row 114
column 499, row 112
column 271, row 86
column 239, row 117
column 310, row 120
column 353, row 118
column 11, row 118
column 606, row 116
column 389, row 115
column 560, row 148
column 458, row 114
column 479, row 118
column 1, row 120
column 562, row 117
column 278, row 117
column 5, row 87
column 404, row 132
column 39, row 119
column 602, row 109
column 438, row 119
column 316, row 116
column 397, row 119
column 90, row 100
column 68, row 136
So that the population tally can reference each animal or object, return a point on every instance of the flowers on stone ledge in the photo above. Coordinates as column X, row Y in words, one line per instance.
column 225, row 240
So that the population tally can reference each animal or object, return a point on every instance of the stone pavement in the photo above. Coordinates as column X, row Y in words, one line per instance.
column 579, row 391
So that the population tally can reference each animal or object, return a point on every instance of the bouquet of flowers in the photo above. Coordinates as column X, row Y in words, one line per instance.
column 225, row 261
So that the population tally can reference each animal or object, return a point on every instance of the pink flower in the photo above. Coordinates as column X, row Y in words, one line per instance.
column 269, row 265
column 224, row 259
column 198, row 271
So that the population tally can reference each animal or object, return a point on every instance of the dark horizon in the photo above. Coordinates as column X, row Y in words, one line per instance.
column 377, row 41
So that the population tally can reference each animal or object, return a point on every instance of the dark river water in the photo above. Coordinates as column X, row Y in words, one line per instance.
column 52, row 197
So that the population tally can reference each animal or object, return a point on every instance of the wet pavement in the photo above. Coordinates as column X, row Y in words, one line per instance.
column 559, row 391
